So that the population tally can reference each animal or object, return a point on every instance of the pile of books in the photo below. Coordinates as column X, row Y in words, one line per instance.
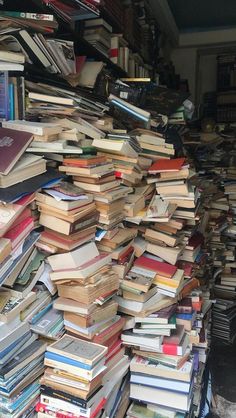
column 68, row 215
column 86, row 287
column 216, row 179
column 72, row 381
column 98, row 33
column 25, row 293
column 103, row 244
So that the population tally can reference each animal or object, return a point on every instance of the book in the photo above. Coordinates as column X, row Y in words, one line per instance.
column 13, row 144
column 35, row 128
column 85, row 270
column 27, row 167
column 161, row 397
column 79, row 350
column 74, row 259
column 172, row 165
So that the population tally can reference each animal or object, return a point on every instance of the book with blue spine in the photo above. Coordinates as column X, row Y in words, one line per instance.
column 4, row 95
column 67, row 360
column 78, row 350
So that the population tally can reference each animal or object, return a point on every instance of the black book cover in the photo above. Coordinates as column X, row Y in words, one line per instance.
column 165, row 101
column 29, row 186
column 58, row 394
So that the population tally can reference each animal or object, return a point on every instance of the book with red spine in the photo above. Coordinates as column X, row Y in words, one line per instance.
column 18, row 233
column 162, row 268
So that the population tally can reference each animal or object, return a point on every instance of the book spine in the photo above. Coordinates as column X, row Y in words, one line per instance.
column 114, row 51
column 171, row 349
column 4, row 95
column 11, row 101
column 57, row 357
column 27, row 15
column 41, row 408
column 60, row 403
column 74, row 400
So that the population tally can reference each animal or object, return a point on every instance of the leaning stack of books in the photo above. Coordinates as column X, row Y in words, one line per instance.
column 68, row 215
column 161, row 371
column 95, row 175
column 21, row 267
column 86, row 285
column 98, row 33
column 21, row 366
column 72, row 382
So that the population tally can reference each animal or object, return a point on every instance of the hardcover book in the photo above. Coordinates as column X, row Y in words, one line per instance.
column 12, row 145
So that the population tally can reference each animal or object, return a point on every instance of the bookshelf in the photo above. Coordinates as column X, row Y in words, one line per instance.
column 119, row 25
column 226, row 87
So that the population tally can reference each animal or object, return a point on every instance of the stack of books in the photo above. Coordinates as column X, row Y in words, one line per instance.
column 86, row 288
column 69, row 216
column 160, row 368
column 224, row 320
column 154, row 145
column 72, row 381
column 119, row 185
column 21, row 366
column 95, row 175
column 98, row 33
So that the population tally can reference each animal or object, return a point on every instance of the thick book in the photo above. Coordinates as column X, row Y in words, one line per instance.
column 79, row 350
column 148, row 367
column 85, row 270
column 74, row 259
column 164, row 165
column 12, row 144
column 159, row 267
column 166, row 398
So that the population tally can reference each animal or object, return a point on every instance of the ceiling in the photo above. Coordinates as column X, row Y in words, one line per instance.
column 191, row 15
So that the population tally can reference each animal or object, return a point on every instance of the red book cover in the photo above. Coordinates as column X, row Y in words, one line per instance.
column 114, row 53
column 170, row 349
column 197, row 306
column 110, row 342
column 113, row 349
column 10, row 212
column 12, row 146
column 25, row 214
column 195, row 241
column 79, row 62
column 20, row 231
column 109, row 332
column 164, row 269
column 85, row 162
column 118, row 174
column 163, row 165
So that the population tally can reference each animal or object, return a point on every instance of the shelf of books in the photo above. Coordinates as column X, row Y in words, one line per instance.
column 104, row 258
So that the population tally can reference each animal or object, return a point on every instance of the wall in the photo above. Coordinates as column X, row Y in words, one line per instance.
column 185, row 61
column 206, row 75
column 195, row 57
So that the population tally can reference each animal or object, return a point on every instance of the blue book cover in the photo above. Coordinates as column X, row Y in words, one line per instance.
column 29, row 242
column 185, row 316
column 40, row 314
column 4, row 95
column 130, row 111
column 15, row 345
column 67, row 360
column 11, row 97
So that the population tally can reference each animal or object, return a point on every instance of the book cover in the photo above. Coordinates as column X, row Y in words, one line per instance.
column 79, row 350
column 12, row 145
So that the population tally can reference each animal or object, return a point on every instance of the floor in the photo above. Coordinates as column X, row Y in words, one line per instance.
column 223, row 367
